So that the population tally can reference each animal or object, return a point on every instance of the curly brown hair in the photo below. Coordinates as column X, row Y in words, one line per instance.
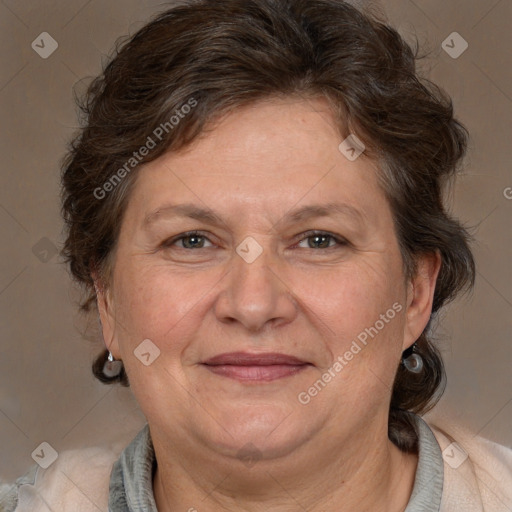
column 219, row 56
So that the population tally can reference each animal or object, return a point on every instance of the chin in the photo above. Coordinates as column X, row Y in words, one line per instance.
column 268, row 430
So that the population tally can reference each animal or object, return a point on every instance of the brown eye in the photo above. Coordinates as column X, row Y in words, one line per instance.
column 193, row 241
column 321, row 240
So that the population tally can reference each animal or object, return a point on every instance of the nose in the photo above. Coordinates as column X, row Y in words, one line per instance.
column 255, row 294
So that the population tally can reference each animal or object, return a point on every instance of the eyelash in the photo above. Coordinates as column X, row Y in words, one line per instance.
column 308, row 234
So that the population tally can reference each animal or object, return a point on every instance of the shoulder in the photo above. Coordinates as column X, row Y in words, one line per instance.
column 78, row 480
column 477, row 471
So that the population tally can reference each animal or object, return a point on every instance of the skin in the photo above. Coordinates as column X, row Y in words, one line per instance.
column 252, row 168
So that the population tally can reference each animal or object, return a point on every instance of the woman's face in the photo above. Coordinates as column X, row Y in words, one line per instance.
column 254, row 279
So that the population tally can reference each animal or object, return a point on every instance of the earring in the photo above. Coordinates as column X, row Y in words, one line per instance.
column 112, row 368
column 413, row 362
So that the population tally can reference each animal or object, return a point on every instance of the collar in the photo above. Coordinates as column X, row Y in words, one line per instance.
column 131, row 479
column 428, row 483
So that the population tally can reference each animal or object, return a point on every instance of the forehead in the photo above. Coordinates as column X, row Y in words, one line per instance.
column 266, row 156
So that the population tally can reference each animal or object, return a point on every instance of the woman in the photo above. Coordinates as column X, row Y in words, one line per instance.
column 255, row 208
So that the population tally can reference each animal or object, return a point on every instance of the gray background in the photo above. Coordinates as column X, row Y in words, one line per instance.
column 47, row 392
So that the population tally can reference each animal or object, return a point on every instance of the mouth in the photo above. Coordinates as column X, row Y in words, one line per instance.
column 255, row 367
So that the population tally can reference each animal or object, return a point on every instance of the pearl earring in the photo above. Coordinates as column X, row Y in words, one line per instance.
column 112, row 368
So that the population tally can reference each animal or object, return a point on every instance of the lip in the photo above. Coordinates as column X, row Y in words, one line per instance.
column 244, row 366
column 257, row 373
column 247, row 359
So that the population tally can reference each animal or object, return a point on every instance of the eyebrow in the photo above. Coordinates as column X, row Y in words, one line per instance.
column 323, row 210
column 207, row 215
column 182, row 210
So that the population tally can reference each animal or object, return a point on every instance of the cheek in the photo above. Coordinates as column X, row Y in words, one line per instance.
column 365, row 319
column 352, row 298
column 155, row 301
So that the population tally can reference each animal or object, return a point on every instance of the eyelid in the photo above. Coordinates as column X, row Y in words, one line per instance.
column 299, row 238
column 169, row 242
column 317, row 232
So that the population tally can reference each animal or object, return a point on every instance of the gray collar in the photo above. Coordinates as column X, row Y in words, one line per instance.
column 131, row 480
column 428, row 483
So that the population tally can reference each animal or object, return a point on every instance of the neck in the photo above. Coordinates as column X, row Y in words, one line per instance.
column 366, row 475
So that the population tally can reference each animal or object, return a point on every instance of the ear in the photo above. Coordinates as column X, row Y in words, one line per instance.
column 107, row 316
column 420, row 296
